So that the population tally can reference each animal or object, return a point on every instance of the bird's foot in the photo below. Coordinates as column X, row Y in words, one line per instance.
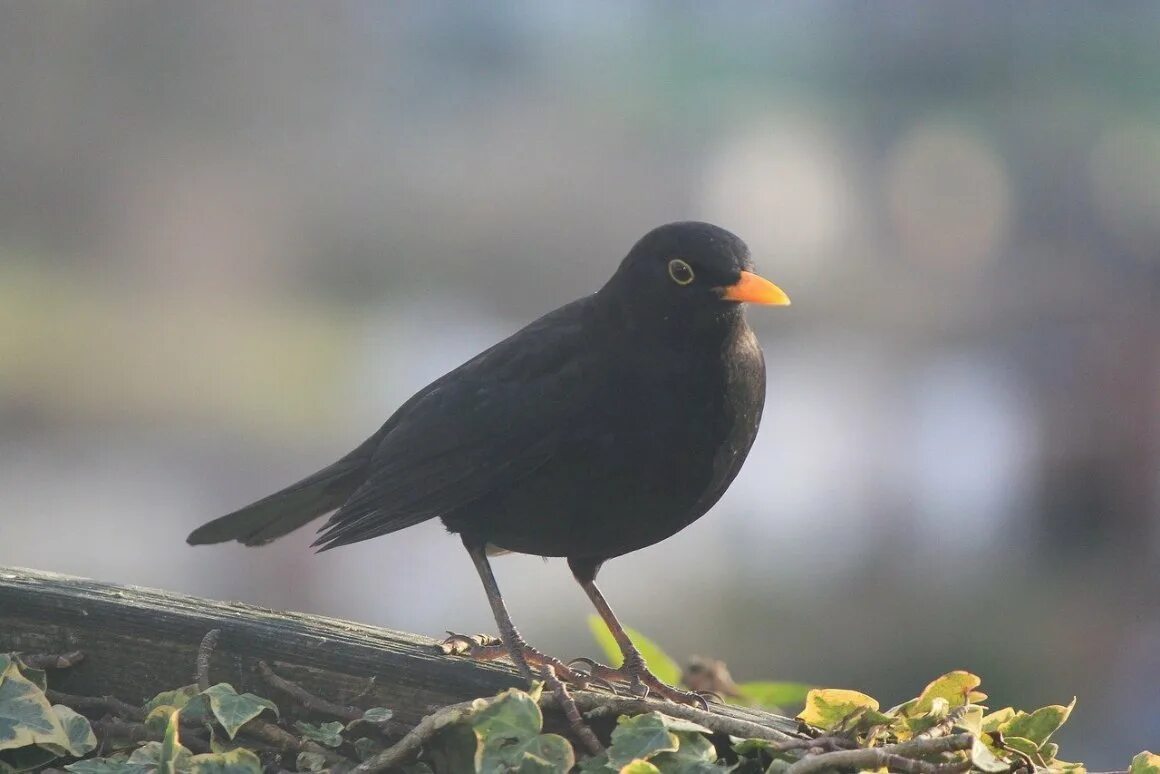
column 483, row 647
column 641, row 681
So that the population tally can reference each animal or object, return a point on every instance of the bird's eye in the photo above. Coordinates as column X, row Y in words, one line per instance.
column 681, row 272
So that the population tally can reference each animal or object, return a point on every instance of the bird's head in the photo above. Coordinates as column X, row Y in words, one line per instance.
column 689, row 273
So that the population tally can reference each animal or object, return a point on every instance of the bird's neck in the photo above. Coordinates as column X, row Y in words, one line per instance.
column 701, row 329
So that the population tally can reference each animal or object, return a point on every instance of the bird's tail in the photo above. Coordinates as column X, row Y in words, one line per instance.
column 285, row 511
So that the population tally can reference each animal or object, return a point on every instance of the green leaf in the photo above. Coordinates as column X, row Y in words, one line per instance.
column 176, row 698
column 513, row 715
column 1024, row 746
column 365, row 747
column 232, row 709
column 956, row 688
column 826, row 708
column 150, row 755
column 639, row 767
column 680, row 724
column 983, row 759
column 328, row 734
column 640, row 737
column 237, row 761
column 597, row 764
column 107, row 766
column 996, row 719
column 26, row 717
column 378, row 715
column 1145, row 763
column 546, row 753
column 309, row 761
column 1040, row 724
column 662, row 665
column 78, row 731
column 785, row 696
column 695, row 755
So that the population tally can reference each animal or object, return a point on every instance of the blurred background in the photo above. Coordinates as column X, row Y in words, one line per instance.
column 234, row 237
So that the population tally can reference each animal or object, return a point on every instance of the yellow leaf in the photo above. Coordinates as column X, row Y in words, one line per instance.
column 828, row 707
column 1145, row 763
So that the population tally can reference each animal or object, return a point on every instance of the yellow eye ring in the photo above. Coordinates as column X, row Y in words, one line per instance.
column 680, row 272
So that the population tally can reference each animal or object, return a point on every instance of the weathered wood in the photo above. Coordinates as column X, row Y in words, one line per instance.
column 138, row 642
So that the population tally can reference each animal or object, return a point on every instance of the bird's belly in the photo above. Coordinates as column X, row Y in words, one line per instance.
column 609, row 496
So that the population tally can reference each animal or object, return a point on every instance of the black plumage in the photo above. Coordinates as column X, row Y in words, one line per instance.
column 603, row 427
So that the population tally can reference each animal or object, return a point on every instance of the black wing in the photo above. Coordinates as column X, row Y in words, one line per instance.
column 483, row 426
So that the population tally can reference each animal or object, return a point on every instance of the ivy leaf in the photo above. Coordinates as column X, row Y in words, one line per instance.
column 662, row 665
column 77, row 730
column 512, row 716
column 310, row 761
column 151, row 757
column 774, row 695
column 26, row 719
column 639, row 767
column 984, row 760
column 546, row 754
column 328, row 734
column 1040, row 724
column 1145, row 763
column 365, row 747
column 955, row 688
column 640, row 737
column 826, row 708
column 996, row 719
column 237, row 761
column 176, row 698
column 695, row 755
column 232, row 709
column 378, row 715
column 597, row 764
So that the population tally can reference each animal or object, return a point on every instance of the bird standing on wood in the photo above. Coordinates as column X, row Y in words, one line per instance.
column 603, row 427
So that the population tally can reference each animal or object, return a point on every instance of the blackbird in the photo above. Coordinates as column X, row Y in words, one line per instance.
column 603, row 427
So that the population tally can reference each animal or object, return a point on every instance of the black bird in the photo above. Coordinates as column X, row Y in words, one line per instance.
column 603, row 427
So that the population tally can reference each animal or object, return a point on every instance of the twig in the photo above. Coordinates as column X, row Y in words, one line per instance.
column 305, row 697
column 51, row 660
column 944, row 726
column 204, row 653
column 138, row 732
column 568, row 706
column 409, row 745
column 595, row 705
column 110, row 704
column 282, row 739
column 895, row 757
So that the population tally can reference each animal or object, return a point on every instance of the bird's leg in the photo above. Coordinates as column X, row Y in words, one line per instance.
column 512, row 643
column 634, row 670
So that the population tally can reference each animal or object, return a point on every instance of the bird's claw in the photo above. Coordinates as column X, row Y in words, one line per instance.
column 484, row 647
column 641, row 682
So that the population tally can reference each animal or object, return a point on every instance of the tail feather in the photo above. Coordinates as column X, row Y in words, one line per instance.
column 298, row 504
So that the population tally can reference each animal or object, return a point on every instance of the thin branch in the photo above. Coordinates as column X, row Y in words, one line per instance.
column 409, row 745
column 51, row 660
column 110, row 704
column 305, row 697
column 596, row 705
column 138, row 732
column 895, row 757
column 204, row 653
column 568, row 706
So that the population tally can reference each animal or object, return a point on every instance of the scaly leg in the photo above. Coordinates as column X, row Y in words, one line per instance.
column 511, row 643
column 634, row 670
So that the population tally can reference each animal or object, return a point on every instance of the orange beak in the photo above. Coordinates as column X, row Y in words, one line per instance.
column 755, row 290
